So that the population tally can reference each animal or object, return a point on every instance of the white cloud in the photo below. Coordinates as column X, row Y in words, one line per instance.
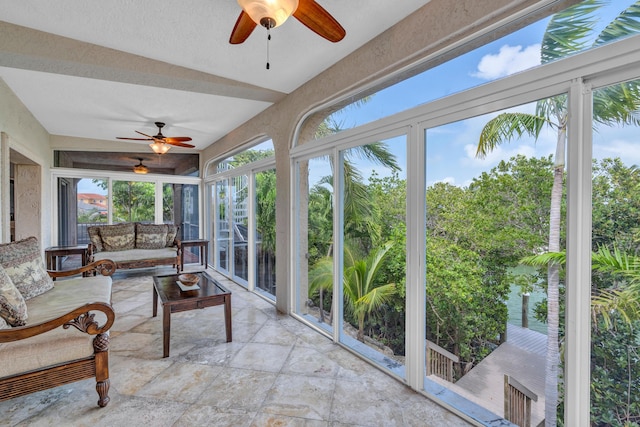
column 628, row 151
column 509, row 60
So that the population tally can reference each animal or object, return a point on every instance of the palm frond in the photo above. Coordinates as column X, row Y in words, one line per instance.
column 625, row 24
column 376, row 153
column 618, row 103
column 543, row 260
column 321, row 276
column 506, row 127
column 568, row 31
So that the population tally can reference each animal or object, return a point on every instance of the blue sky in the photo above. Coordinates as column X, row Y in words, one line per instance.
column 451, row 148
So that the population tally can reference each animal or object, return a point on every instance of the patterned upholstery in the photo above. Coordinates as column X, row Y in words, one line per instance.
column 151, row 236
column 118, row 237
column 23, row 263
column 94, row 237
column 13, row 308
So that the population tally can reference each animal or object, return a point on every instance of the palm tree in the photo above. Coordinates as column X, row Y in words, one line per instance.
column 363, row 294
column 568, row 32
column 622, row 294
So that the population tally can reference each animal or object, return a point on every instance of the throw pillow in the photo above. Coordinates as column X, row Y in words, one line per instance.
column 172, row 231
column 23, row 263
column 94, row 237
column 151, row 236
column 13, row 309
column 118, row 237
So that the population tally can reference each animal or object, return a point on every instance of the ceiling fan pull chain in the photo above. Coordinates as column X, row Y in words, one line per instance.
column 268, row 39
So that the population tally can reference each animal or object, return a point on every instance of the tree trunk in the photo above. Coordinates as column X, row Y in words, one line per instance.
column 553, row 298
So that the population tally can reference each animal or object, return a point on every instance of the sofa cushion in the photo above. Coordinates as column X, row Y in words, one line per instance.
column 24, row 265
column 137, row 255
column 13, row 308
column 172, row 231
column 94, row 237
column 59, row 345
column 151, row 236
column 3, row 323
column 118, row 237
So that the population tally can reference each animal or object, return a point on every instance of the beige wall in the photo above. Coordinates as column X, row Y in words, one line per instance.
column 415, row 44
column 25, row 137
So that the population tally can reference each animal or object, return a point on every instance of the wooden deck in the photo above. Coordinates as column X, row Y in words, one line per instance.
column 522, row 357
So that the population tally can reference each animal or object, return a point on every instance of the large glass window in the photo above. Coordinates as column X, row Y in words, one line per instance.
column 541, row 42
column 265, row 226
column 489, row 206
column 615, row 294
column 243, row 191
column 373, row 201
column 82, row 202
column 133, row 201
column 221, row 230
column 315, row 243
column 98, row 200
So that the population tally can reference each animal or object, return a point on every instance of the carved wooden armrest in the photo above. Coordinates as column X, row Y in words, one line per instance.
column 80, row 318
column 178, row 243
column 106, row 267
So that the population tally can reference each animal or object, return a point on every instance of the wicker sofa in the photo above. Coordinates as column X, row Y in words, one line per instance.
column 52, row 333
column 135, row 245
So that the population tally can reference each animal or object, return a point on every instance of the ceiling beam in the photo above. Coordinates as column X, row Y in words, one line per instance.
column 29, row 49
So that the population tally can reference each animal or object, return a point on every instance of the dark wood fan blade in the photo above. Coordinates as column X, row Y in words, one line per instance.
column 177, row 139
column 243, row 28
column 178, row 143
column 135, row 139
column 318, row 20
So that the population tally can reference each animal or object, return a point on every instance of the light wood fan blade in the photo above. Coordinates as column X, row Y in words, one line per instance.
column 243, row 28
column 318, row 20
column 172, row 141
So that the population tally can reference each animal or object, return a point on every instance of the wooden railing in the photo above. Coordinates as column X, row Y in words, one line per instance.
column 517, row 402
column 440, row 362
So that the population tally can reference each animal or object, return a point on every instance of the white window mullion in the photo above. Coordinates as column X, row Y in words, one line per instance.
column 416, row 258
column 578, row 267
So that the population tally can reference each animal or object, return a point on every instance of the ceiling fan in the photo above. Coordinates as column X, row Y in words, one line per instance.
column 161, row 144
column 270, row 14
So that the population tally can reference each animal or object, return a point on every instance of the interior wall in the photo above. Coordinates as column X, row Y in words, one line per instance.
column 25, row 143
column 28, row 201
column 433, row 28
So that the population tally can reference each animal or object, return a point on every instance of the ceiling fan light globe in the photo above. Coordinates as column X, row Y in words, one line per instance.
column 275, row 12
column 159, row 147
column 141, row 169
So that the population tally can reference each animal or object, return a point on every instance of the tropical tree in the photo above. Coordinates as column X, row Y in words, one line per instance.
column 615, row 356
column 568, row 32
column 363, row 291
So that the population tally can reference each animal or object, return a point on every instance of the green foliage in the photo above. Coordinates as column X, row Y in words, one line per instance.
column 250, row 156
column 615, row 369
column 266, row 209
column 132, row 200
column 463, row 314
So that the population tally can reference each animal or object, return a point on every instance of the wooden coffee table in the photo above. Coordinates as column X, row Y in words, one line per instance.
column 175, row 300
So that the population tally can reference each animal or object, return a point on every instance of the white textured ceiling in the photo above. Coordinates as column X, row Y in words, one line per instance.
column 112, row 84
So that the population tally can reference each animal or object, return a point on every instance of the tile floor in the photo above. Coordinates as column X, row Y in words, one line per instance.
column 276, row 372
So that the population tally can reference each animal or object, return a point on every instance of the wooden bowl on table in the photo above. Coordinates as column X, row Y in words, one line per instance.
column 188, row 279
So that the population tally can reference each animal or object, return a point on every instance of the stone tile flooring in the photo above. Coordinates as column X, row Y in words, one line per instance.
column 276, row 372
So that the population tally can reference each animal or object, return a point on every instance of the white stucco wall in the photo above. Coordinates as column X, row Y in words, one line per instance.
column 26, row 136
